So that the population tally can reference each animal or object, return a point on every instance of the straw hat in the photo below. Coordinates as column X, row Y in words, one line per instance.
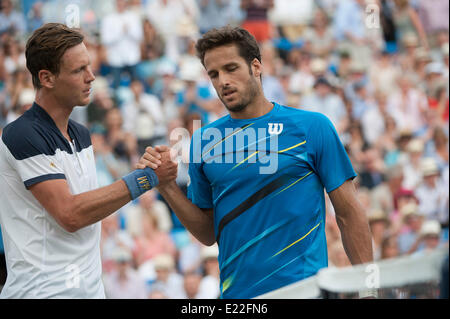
column 415, row 146
column 431, row 227
column 410, row 209
column 429, row 167
column 377, row 215
column 163, row 261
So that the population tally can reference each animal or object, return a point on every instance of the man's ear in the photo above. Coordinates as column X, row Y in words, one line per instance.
column 256, row 67
column 47, row 79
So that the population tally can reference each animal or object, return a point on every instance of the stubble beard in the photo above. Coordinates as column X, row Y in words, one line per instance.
column 248, row 97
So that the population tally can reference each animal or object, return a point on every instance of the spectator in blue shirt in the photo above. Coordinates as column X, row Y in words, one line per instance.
column 11, row 20
column 349, row 21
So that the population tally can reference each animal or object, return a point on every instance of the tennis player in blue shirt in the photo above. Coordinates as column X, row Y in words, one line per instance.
column 257, row 179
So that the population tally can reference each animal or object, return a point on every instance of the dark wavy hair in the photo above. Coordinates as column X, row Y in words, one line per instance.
column 46, row 46
column 246, row 43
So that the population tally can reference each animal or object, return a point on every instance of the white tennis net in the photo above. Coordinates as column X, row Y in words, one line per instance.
column 407, row 277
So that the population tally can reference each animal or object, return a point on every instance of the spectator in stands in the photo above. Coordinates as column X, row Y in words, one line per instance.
column 34, row 16
column 166, row 16
column 438, row 147
column 189, row 257
column 438, row 101
column 121, row 34
column 109, row 169
column 256, row 20
column 407, row 20
column 24, row 102
column 374, row 120
column 337, row 256
column 148, row 202
column 11, row 21
column 323, row 100
column 14, row 56
column 429, row 239
column 191, row 285
column 101, row 103
column 412, row 220
column 113, row 237
column 432, row 193
column 212, row 14
column 152, row 242
column 383, row 74
column 434, row 17
column 412, row 168
column 124, row 282
column 168, row 282
column 379, row 225
column 407, row 105
column 301, row 81
column 209, row 287
column 123, row 144
column 350, row 29
column 372, row 169
column 272, row 86
column 197, row 96
column 143, row 118
column 319, row 38
column 402, row 198
column 389, row 247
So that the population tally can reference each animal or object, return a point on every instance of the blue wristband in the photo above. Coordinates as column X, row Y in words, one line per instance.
column 140, row 181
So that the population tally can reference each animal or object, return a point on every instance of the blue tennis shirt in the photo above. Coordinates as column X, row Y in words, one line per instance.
column 265, row 179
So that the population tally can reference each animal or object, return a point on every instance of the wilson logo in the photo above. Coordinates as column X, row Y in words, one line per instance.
column 275, row 128
column 144, row 183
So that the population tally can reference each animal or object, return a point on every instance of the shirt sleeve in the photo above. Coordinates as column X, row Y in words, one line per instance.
column 329, row 158
column 199, row 189
column 33, row 159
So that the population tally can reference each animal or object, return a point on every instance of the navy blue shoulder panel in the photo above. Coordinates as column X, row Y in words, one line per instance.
column 26, row 137
column 35, row 133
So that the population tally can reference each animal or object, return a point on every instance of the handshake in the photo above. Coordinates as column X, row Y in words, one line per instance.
column 162, row 160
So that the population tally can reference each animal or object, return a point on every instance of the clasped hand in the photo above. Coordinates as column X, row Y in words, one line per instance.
column 162, row 160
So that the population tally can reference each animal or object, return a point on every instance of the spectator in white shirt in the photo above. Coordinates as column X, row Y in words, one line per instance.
column 412, row 168
column 168, row 281
column 407, row 106
column 209, row 287
column 323, row 100
column 373, row 120
column 191, row 285
column 121, row 33
column 167, row 16
column 143, row 117
column 11, row 21
column 124, row 282
column 432, row 193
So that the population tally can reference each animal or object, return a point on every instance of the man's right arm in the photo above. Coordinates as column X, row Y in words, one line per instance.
column 73, row 212
column 199, row 222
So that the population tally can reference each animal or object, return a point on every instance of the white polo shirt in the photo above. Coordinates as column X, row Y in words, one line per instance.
column 43, row 259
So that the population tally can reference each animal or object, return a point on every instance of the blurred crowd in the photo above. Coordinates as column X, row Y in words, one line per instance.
column 378, row 69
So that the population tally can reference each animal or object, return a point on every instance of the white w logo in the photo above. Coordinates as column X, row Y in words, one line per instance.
column 275, row 128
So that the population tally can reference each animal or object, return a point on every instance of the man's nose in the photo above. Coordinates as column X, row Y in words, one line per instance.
column 91, row 76
column 224, row 81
